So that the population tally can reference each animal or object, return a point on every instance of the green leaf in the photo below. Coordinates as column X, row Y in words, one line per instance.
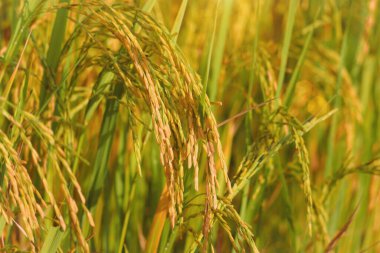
column 286, row 45
column 106, row 137
column 178, row 20
column 54, row 52
column 52, row 240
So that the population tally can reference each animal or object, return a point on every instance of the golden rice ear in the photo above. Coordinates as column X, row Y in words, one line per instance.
column 169, row 109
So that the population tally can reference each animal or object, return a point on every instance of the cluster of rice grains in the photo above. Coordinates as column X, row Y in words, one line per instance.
column 157, row 80
column 21, row 191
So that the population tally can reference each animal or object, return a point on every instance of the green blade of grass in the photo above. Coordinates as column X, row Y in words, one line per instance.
column 52, row 240
column 132, row 178
column 337, row 105
column 148, row 6
column 178, row 20
column 364, row 148
column 55, row 47
column 106, row 137
column 205, row 76
column 334, row 155
column 164, row 237
column 100, row 87
column 289, row 95
column 15, row 4
column 173, row 236
column 286, row 45
column 127, row 215
column 219, row 48
column 252, row 75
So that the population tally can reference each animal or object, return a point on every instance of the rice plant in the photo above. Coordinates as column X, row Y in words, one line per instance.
column 189, row 126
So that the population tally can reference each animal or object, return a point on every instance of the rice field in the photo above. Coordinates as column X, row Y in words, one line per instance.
column 190, row 126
